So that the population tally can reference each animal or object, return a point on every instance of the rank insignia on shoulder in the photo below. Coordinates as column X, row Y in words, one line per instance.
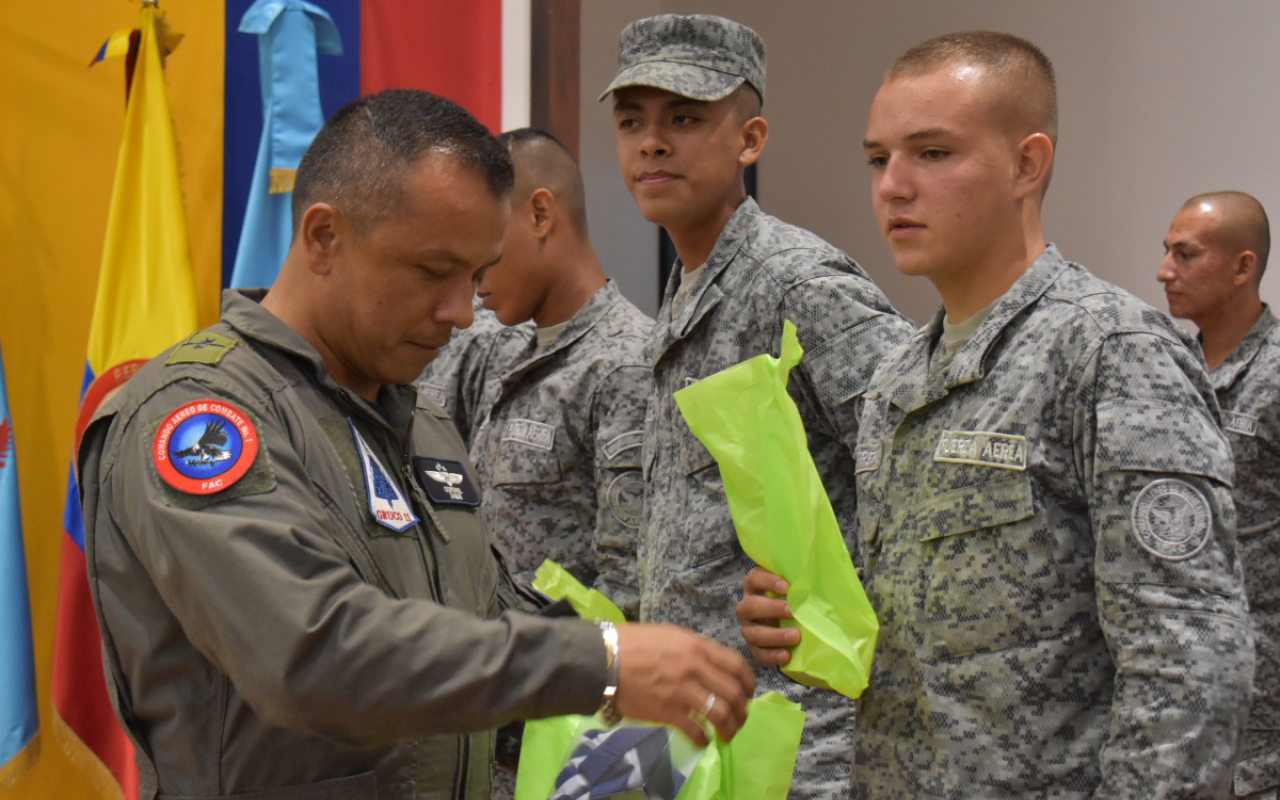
column 204, row 446
column 201, row 347
column 387, row 503
column 446, row 481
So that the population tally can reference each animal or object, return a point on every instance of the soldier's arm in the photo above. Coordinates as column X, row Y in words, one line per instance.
column 617, row 416
column 1169, row 586
column 262, row 586
column 844, row 340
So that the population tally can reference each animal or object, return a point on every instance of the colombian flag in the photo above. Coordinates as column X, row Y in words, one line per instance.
column 146, row 302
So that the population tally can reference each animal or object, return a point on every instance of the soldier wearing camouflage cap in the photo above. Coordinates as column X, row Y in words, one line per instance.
column 1044, row 495
column 686, row 110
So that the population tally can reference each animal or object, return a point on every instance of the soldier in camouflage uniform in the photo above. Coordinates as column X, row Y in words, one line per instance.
column 1215, row 254
column 686, row 108
column 1043, row 491
column 466, row 377
column 559, row 454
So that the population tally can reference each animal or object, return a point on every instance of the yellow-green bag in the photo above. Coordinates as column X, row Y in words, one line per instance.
column 555, row 582
column 756, row 765
column 749, row 423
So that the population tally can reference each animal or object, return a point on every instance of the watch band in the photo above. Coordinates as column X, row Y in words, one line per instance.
column 608, row 708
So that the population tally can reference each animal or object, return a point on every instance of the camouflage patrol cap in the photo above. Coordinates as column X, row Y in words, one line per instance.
column 700, row 56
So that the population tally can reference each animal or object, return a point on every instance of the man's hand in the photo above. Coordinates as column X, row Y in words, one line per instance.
column 665, row 672
column 758, row 613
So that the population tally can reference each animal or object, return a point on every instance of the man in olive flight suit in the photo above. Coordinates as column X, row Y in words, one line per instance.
column 296, row 595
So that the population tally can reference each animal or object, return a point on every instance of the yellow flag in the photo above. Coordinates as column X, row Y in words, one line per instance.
column 146, row 301
column 146, row 293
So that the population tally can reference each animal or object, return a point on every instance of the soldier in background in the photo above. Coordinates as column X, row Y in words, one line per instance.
column 558, row 448
column 466, row 377
column 1215, row 254
column 1043, row 491
column 687, row 101
column 559, row 453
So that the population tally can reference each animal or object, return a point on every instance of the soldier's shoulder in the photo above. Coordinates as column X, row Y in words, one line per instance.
column 786, row 248
column 624, row 325
column 1084, row 303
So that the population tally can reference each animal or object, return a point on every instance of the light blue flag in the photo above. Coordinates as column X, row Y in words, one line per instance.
column 19, row 720
column 290, row 32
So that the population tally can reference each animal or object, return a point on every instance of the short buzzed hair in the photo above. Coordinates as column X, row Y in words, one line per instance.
column 1031, row 100
column 1244, row 223
column 358, row 160
column 542, row 162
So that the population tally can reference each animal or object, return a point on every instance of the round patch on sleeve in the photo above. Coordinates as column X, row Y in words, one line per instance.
column 1172, row 519
column 626, row 498
column 204, row 446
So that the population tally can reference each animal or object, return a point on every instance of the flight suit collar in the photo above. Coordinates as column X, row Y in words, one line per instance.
column 587, row 317
column 242, row 310
column 1229, row 370
column 675, row 324
column 968, row 365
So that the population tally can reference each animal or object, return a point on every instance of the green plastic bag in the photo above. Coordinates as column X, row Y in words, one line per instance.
column 556, row 583
column 756, row 765
column 749, row 423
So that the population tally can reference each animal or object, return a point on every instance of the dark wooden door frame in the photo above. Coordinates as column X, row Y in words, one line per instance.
column 556, row 26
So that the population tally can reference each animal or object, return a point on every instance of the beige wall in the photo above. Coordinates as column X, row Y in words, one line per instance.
column 1160, row 100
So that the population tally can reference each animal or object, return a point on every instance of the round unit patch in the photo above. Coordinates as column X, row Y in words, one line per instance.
column 626, row 498
column 204, row 446
column 1172, row 519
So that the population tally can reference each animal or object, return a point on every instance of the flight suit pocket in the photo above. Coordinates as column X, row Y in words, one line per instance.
column 982, row 564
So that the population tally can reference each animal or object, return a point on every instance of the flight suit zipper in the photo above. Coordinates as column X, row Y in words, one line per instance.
column 427, row 519
column 464, row 767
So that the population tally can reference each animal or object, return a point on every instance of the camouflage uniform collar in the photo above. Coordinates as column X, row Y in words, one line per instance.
column 242, row 310
column 918, row 389
column 1226, row 373
column 587, row 318
column 967, row 365
column 732, row 237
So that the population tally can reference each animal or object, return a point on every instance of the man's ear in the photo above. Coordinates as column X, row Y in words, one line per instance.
column 320, row 233
column 1246, row 269
column 543, row 211
column 1035, row 162
column 755, row 132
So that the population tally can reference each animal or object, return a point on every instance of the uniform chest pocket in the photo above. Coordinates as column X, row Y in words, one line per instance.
column 520, row 464
column 698, row 464
column 988, row 569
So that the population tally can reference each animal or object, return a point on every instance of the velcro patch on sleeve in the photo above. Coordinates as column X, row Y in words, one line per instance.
column 202, row 347
column 204, row 447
